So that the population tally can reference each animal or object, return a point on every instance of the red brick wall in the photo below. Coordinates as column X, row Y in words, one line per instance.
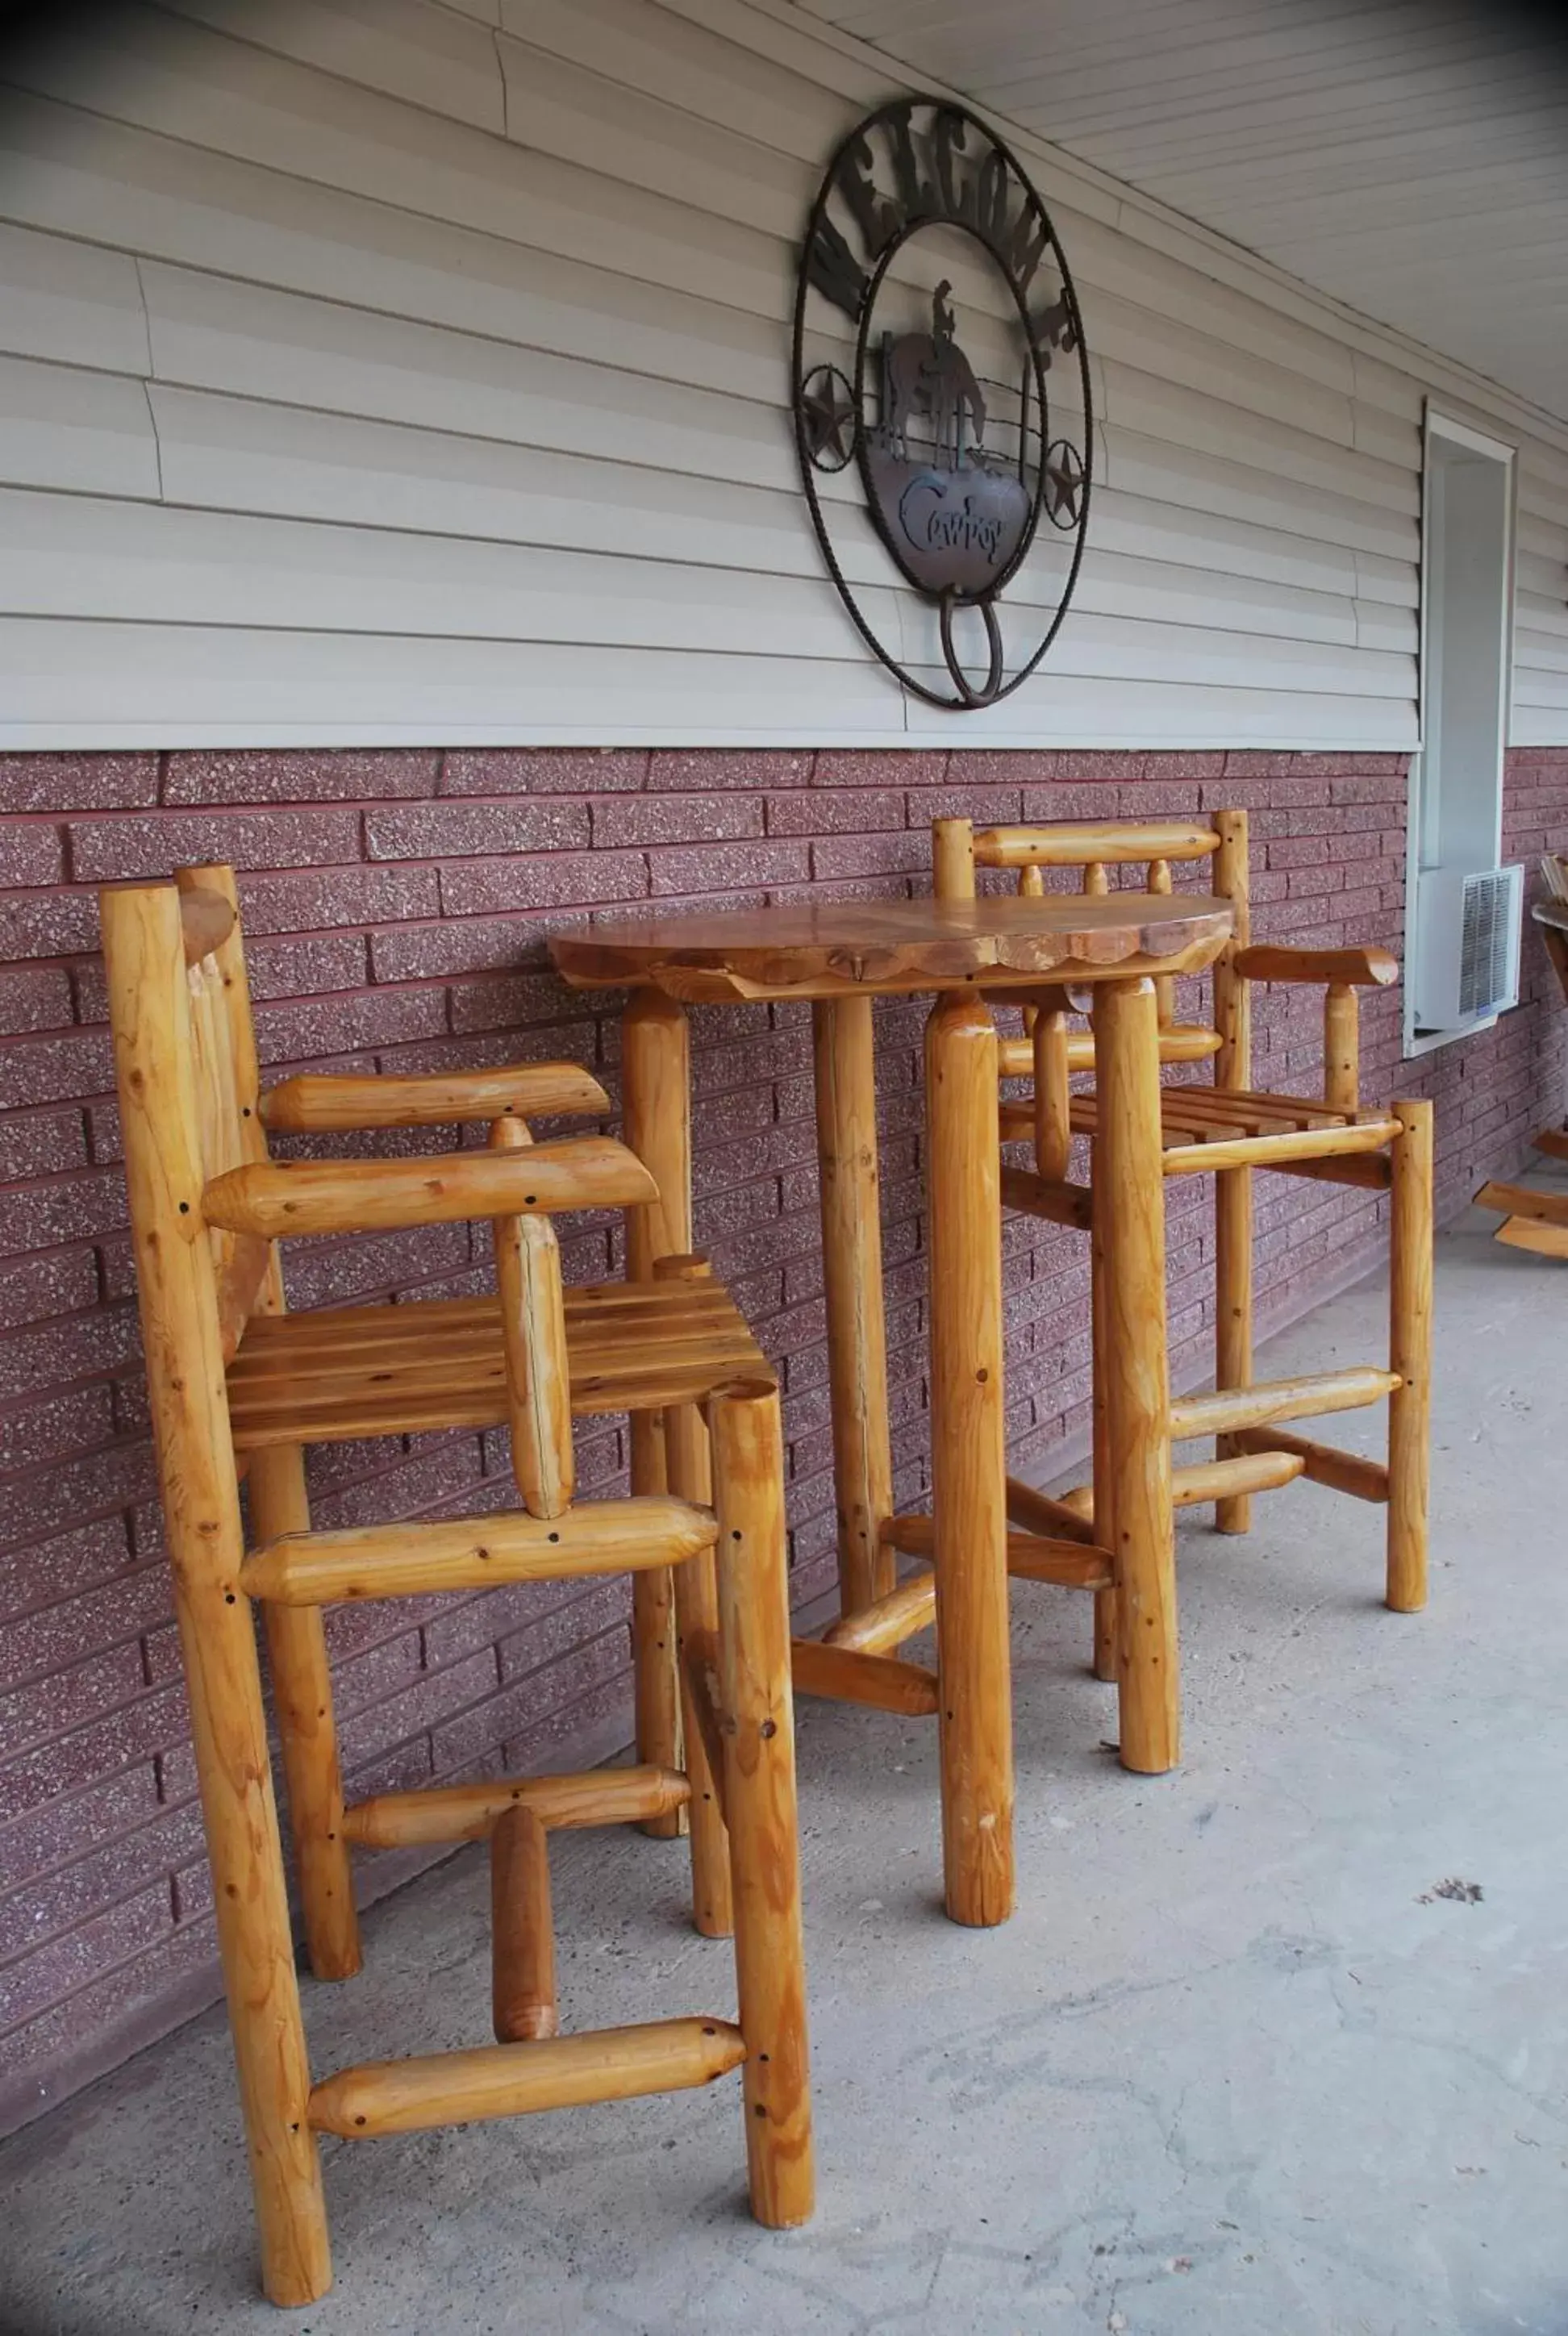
column 396, row 904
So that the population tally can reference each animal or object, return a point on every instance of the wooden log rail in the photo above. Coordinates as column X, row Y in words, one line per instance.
column 1228, row 1410
column 408, row 1561
column 291, row 1197
column 1321, row 1464
column 453, row 1813
column 318, row 1103
column 1264, row 1470
column 497, row 2080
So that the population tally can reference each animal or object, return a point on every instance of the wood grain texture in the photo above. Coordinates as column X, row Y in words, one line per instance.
column 846, row 1674
column 1321, row 1464
column 315, row 1102
column 1233, row 1260
column 1108, row 843
column 533, row 1307
column 496, row 2081
column 406, row 1560
column 589, row 1797
column 656, row 1106
column 177, row 1286
column 969, row 1470
column 758, row 1715
column 346, row 1196
column 898, row 1614
column 845, row 1066
column 1411, row 1357
column 1371, row 968
column 1131, row 1215
column 823, row 948
column 524, row 2006
column 1260, row 1405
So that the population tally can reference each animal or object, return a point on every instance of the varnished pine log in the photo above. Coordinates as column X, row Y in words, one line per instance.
column 344, row 1196
column 144, row 954
column 688, row 1464
column 846, row 1121
column 1038, row 1513
column 1277, row 1151
column 1321, row 1464
column 1409, row 1358
column 302, row 1697
column 1552, row 1141
column 1371, row 968
column 1105, row 1649
column 1064, row 844
column 1039, row 1196
column 902, row 1613
column 316, row 1103
column 1129, row 1193
column 1528, row 1233
column 529, row 1292
column 589, row 1796
column 523, row 2004
column 1366, row 1172
column 758, row 1712
column 1521, row 1201
column 1241, row 1473
column 1066, row 1561
column 699, row 1663
column 1164, row 986
column 848, row 1675
column 953, row 859
column 1052, row 1128
column 1184, row 1042
column 406, row 1560
column 1341, row 1047
column 1233, row 1187
column 656, row 1082
column 1315, row 1393
column 969, row 1471
column 496, row 2081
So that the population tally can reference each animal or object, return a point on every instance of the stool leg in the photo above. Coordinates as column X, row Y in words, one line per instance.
column 846, row 1113
column 1409, row 1354
column 969, row 1464
column 302, row 1692
column 522, row 1990
column 1108, row 1616
column 754, row 1644
column 656, row 1085
column 690, row 1470
column 1130, row 1195
column 1232, row 1316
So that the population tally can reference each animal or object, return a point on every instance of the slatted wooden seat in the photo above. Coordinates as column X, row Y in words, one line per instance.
column 208, row 1208
column 392, row 1370
column 1227, row 1128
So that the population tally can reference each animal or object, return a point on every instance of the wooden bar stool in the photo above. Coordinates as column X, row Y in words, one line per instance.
column 239, row 1387
column 1226, row 1129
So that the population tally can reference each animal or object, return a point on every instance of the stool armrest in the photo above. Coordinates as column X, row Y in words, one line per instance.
column 320, row 1104
column 344, row 1196
column 1367, row 969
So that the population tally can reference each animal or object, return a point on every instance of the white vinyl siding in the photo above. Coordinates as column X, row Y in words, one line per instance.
column 381, row 370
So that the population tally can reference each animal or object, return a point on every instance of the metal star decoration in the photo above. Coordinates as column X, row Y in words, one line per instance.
column 1064, row 483
column 829, row 416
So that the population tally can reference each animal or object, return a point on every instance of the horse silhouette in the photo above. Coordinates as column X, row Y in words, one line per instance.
column 929, row 374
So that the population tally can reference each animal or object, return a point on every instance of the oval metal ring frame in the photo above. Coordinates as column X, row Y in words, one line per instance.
column 968, row 697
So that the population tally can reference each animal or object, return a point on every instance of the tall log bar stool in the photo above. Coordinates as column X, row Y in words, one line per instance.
column 238, row 1387
column 1225, row 1129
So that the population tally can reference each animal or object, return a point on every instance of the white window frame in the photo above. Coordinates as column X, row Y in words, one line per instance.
column 1438, row 424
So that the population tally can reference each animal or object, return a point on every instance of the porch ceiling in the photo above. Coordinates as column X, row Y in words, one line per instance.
column 1407, row 157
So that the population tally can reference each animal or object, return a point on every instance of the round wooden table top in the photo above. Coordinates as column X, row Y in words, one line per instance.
column 833, row 948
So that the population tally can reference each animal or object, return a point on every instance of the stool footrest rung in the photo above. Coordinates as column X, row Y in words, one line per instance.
column 496, row 2081
column 586, row 1796
column 1230, row 1409
column 1323, row 1463
column 848, row 1675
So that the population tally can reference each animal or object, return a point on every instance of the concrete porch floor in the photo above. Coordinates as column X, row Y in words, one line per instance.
column 1232, row 2067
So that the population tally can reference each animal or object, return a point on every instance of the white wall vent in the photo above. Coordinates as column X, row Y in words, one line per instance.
column 1467, row 958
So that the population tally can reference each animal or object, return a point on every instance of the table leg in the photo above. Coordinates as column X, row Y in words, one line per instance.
column 1130, row 1205
column 968, row 1469
column 846, row 1111
column 657, row 1118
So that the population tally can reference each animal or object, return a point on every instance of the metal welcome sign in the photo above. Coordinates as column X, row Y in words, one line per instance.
column 926, row 235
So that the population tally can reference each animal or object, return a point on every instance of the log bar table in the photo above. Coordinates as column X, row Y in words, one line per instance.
column 841, row 955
